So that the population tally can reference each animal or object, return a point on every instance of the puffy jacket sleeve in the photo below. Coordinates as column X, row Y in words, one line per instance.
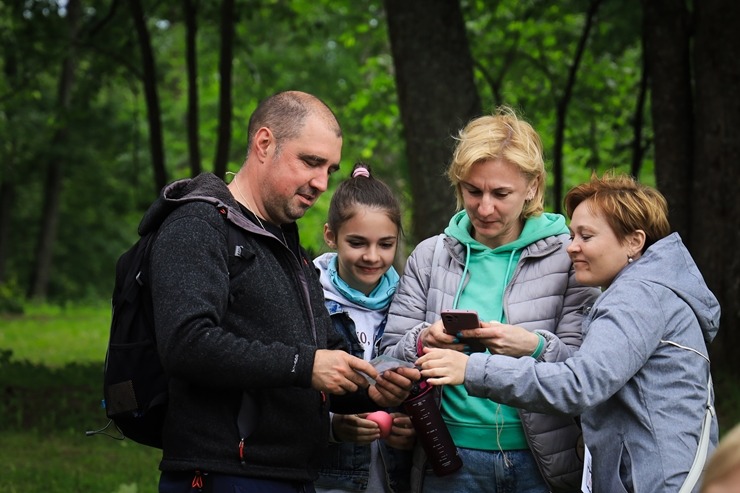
column 576, row 301
column 567, row 338
column 407, row 315
column 546, row 298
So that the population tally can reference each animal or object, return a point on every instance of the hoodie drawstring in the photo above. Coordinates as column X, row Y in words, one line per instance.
column 462, row 279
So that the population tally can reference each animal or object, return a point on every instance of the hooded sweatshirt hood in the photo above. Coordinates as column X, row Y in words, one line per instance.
column 668, row 263
column 205, row 187
column 336, row 289
column 491, row 269
column 535, row 228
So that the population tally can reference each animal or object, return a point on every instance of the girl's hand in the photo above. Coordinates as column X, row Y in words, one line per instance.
column 443, row 366
column 402, row 435
column 355, row 428
column 510, row 340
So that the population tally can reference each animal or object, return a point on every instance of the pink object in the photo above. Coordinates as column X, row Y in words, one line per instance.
column 384, row 421
column 361, row 172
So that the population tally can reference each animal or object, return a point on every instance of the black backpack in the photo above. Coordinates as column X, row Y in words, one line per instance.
column 134, row 382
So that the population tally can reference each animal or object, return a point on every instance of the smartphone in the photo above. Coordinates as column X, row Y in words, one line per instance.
column 456, row 320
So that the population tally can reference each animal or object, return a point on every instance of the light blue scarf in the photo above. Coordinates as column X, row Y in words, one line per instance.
column 378, row 299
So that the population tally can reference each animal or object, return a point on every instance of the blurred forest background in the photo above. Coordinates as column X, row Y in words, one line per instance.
column 102, row 102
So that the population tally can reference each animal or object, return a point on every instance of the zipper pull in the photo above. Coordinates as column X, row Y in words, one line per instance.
column 197, row 481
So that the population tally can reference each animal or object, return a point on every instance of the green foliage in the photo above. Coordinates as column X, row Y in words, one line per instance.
column 337, row 49
column 524, row 51
column 11, row 299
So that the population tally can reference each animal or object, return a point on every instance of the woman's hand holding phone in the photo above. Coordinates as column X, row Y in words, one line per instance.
column 455, row 321
column 435, row 336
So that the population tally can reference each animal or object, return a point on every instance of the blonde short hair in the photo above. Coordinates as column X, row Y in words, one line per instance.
column 501, row 135
column 626, row 204
column 724, row 460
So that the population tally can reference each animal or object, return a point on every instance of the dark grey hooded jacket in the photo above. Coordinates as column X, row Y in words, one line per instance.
column 234, row 325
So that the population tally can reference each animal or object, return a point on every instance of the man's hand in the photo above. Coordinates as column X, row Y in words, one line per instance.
column 337, row 372
column 393, row 386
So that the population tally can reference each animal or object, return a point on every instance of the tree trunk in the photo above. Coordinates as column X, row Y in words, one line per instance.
column 638, row 146
column 715, row 223
column 7, row 198
column 190, row 10
column 437, row 96
column 666, row 42
column 8, row 164
column 224, row 68
column 54, row 169
column 156, row 144
column 562, row 106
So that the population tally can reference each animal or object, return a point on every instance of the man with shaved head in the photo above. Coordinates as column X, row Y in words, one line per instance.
column 243, row 335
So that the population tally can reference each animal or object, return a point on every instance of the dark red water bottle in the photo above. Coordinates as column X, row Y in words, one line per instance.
column 431, row 429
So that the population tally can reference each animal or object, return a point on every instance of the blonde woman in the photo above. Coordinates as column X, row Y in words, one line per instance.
column 504, row 257
column 722, row 474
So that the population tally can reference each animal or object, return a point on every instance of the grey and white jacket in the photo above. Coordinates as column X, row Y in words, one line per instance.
column 542, row 296
column 639, row 381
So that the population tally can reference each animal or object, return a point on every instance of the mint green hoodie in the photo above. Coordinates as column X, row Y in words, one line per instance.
column 474, row 422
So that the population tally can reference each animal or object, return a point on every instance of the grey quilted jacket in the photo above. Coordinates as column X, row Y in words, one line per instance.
column 542, row 296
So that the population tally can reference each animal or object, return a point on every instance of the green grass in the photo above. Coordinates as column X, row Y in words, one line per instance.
column 51, row 362
column 56, row 336
column 71, row 462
